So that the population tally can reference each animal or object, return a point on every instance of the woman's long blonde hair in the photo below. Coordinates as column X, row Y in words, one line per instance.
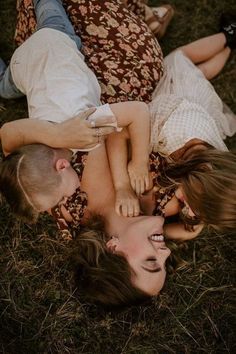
column 101, row 276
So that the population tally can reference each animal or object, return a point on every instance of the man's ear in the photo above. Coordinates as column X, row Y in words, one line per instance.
column 62, row 164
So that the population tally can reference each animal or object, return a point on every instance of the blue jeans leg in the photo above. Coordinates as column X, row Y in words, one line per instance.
column 7, row 87
column 51, row 14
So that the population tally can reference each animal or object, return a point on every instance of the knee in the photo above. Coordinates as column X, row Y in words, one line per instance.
column 204, row 70
column 184, row 49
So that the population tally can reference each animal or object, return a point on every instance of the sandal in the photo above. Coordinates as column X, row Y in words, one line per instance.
column 228, row 27
column 158, row 18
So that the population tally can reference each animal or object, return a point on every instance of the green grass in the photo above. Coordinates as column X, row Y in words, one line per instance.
column 39, row 312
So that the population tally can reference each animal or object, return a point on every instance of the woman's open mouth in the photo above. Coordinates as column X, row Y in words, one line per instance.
column 157, row 238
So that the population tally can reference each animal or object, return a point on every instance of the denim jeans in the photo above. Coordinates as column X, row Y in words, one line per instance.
column 7, row 87
column 49, row 14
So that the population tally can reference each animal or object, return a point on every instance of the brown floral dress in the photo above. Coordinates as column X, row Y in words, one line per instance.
column 75, row 205
column 157, row 165
column 118, row 46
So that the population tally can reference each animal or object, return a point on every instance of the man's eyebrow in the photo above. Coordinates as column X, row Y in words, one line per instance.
column 152, row 270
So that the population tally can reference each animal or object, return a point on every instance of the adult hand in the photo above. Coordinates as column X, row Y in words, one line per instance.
column 80, row 133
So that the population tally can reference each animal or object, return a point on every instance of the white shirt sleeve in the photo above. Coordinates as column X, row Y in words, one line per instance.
column 104, row 111
column 101, row 111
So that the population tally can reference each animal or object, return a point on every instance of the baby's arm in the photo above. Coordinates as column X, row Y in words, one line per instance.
column 135, row 116
column 126, row 202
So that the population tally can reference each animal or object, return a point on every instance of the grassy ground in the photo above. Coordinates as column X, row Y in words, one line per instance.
column 39, row 312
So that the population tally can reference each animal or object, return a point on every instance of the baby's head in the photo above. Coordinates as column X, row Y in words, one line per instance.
column 208, row 185
column 35, row 178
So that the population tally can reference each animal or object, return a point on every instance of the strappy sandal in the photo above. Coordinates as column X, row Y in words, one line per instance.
column 228, row 27
column 158, row 18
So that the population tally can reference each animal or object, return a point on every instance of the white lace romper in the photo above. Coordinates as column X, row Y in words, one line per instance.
column 186, row 106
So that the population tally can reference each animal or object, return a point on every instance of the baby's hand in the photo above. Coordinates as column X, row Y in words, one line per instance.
column 127, row 203
column 139, row 176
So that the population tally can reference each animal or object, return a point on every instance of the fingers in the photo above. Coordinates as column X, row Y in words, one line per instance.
column 136, row 208
column 127, row 208
column 139, row 184
column 94, row 138
column 103, row 131
column 101, row 121
column 144, row 184
column 92, row 124
column 96, row 120
column 132, row 182
column 121, row 208
column 147, row 182
column 139, row 176
column 85, row 115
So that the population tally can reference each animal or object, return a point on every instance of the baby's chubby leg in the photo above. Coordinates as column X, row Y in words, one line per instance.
column 204, row 48
column 51, row 14
column 209, row 53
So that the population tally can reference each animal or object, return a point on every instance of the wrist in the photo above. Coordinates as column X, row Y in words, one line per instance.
column 121, row 185
column 140, row 156
column 139, row 161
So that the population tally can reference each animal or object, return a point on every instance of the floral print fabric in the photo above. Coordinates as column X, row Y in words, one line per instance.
column 157, row 165
column 118, row 46
column 75, row 204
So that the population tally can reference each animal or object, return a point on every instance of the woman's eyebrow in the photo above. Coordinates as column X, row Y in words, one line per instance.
column 152, row 270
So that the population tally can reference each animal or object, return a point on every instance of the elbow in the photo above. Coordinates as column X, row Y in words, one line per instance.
column 142, row 110
column 142, row 107
column 145, row 110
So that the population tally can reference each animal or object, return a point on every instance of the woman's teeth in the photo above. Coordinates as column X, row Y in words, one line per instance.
column 157, row 238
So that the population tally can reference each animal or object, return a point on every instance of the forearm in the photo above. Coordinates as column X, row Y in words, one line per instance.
column 177, row 231
column 139, row 131
column 76, row 133
column 116, row 145
column 126, row 202
column 135, row 116
column 26, row 131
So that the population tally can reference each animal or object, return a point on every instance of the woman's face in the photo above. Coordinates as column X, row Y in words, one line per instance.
column 141, row 242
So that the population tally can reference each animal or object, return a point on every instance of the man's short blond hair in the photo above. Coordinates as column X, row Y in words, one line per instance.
column 26, row 173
